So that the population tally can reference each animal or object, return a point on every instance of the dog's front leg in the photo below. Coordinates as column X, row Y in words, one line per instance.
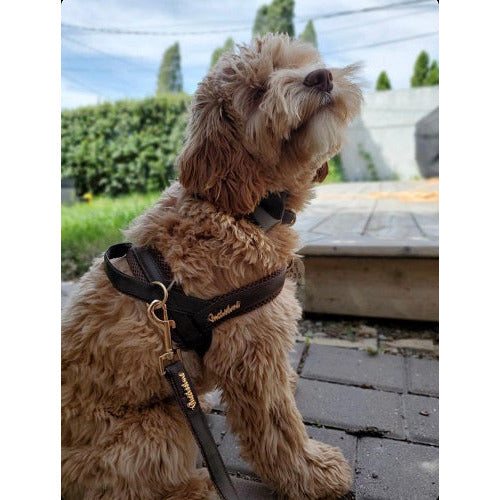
column 250, row 361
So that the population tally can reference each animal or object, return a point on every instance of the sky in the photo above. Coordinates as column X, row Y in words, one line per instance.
column 99, row 66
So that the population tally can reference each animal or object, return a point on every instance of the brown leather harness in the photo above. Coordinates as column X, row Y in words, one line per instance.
column 192, row 319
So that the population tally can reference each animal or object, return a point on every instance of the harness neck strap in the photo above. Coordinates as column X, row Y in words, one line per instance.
column 271, row 211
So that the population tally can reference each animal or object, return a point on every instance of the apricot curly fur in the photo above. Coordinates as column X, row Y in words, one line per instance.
column 254, row 128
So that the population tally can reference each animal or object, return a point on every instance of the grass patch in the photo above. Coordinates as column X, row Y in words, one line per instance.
column 88, row 229
column 335, row 171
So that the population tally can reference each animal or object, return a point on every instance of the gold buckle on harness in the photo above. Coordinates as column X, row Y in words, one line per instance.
column 171, row 354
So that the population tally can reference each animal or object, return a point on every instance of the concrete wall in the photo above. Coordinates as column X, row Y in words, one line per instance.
column 385, row 131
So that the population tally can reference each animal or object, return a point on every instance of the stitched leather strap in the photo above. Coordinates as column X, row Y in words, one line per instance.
column 125, row 283
column 195, row 318
column 186, row 396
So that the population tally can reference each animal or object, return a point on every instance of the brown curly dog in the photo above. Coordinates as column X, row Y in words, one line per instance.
column 263, row 120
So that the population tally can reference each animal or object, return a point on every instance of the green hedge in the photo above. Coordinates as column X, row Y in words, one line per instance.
column 124, row 147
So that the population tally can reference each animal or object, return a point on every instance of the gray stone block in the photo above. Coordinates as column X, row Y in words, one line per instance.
column 217, row 426
column 393, row 470
column 422, row 418
column 252, row 490
column 423, row 376
column 215, row 398
column 353, row 367
column 296, row 354
column 230, row 451
column 340, row 439
column 350, row 408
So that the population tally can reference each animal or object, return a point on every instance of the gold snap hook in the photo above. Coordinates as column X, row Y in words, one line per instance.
column 165, row 325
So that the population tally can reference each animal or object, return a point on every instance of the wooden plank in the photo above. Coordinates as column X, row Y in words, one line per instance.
column 392, row 221
column 365, row 219
column 426, row 216
column 348, row 221
column 403, row 288
column 368, row 247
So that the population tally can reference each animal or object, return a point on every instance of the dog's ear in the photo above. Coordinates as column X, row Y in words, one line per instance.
column 215, row 165
column 321, row 173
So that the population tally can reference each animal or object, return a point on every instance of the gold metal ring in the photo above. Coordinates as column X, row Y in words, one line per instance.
column 165, row 292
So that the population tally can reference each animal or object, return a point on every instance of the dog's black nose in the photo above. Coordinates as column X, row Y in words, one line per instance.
column 319, row 78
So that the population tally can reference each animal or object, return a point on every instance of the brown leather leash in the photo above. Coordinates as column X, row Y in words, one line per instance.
column 172, row 367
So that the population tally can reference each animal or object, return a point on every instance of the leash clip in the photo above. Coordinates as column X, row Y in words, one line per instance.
column 171, row 354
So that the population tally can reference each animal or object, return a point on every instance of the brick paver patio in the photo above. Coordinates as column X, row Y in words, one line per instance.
column 381, row 410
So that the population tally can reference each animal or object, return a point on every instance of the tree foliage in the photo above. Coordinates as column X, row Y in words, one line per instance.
column 383, row 82
column 260, row 23
column 423, row 75
column 420, row 69
column 227, row 47
column 169, row 74
column 432, row 77
column 277, row 17
column 309, row 34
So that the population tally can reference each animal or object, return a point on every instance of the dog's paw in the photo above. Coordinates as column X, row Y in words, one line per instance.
column 327, row 474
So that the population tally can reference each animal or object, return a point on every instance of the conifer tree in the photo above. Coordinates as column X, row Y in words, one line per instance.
column 420, row 70
column 277, row 17
column 169, row 74
column 383, row 82
column 260, row 23
column 309, row 34
column 432, row 77
column 227, row 47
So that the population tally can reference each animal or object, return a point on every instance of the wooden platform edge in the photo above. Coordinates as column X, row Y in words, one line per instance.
column 382, row 287
column 394, row 249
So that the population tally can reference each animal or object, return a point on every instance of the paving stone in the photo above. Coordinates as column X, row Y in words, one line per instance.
column 215, row 398
column 251, row 489
column 230, row 451
column 355, row 368
column 350, row 408
column 423, row 376
column 393, row 470
column 217, row 426
column 422, row 418
column 296, row 355
column 340, row 439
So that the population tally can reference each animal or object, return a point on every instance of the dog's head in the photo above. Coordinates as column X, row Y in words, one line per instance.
column 266, row 120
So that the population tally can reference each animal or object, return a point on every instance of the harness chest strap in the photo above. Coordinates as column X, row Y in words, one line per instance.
column 195, row 318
